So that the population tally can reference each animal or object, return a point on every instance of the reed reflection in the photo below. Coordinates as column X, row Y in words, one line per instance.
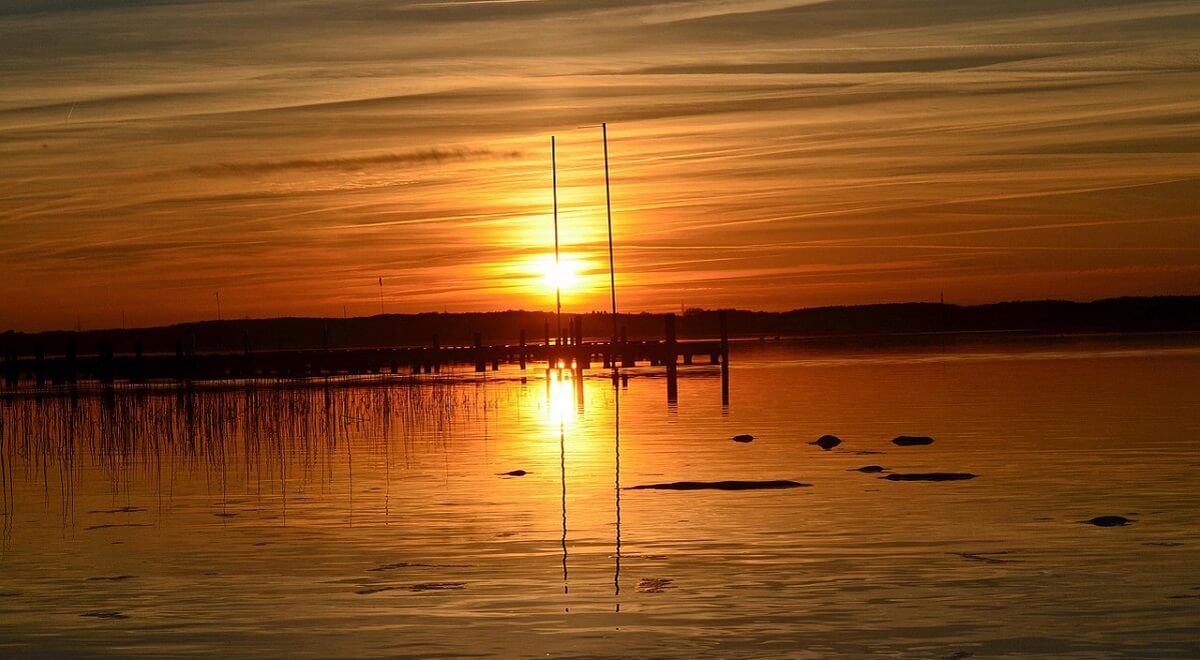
column 271, row 440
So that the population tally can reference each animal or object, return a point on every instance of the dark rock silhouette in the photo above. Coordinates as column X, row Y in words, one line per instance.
column 911, row 440
column 827, row 442
column 366, row 591
column 514, row 473
column 1109, row 521
column 986, row 557
column 124, row 509
column 870, row 469
column 930, row 476
column 721, row 485
column 437, row 586
column 744, row 437
column 654, row 585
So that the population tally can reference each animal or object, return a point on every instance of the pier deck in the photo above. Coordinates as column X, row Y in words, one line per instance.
column 572, row 352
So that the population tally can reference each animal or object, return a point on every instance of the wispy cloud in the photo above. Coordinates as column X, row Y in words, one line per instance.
column 768, row 153
column 409, row 159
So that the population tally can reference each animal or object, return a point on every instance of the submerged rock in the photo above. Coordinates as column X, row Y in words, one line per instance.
column 1109, row 521
column 110, row 526
column 930, row 476
column 124, row 509
column 986, row 557
column 870, row 469
column 437, row 586
column 654, row 585
column 911, row 440
column 744, row 437
column 367, row 591
column 827, row 442
column 106, row 614
column 722, row 485
column 514, row 473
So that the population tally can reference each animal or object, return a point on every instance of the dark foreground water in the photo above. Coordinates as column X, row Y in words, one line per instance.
column 370, row 520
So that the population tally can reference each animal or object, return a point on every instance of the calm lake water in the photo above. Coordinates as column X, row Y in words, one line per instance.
column 370, row 519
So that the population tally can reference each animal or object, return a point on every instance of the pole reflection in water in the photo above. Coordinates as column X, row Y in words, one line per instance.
column 617, row 484
column 562, row 466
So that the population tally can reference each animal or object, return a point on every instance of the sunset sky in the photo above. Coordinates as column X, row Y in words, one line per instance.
column 765, row 154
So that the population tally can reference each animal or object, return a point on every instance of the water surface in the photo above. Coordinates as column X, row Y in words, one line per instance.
column 373, row 518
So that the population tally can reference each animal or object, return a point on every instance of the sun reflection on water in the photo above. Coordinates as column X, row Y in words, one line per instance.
column 562, row 399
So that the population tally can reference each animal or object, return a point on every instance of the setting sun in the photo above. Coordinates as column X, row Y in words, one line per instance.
column 566, row 276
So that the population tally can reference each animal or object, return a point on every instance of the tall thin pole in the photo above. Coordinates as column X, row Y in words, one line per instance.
column 612, row 270
column 557, row 272
column 218, row 294
column 381, row 295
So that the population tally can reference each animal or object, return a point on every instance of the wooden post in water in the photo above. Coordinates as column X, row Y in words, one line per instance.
column 39, row 369
column 138, row 373
column 71, row 374
column 669, row 358
column 626, row 356
column 106, row 364
column 480, row 362
column 437, row 354
column 11, row 374
column 583, row 355
column 522, row 349
column 724, row 357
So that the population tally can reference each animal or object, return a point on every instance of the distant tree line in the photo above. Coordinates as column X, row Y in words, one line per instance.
column 1167, row 313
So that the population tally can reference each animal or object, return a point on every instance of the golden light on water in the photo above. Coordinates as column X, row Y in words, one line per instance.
column 562, row 404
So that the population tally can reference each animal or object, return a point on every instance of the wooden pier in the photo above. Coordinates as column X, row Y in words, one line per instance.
column 571, row 352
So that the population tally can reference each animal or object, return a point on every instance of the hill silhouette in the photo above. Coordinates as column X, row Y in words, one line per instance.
column 1148, row 314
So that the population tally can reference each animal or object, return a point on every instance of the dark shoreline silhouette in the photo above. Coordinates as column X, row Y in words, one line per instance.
column 852, row 324
column 774, row 484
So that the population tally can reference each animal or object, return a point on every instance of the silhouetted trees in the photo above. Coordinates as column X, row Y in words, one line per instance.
column 1168, row 313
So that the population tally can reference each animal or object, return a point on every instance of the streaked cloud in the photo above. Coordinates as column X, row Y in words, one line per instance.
column 768, row 153
column 424, row 157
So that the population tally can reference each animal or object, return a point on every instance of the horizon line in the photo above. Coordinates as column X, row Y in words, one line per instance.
column 686, row 311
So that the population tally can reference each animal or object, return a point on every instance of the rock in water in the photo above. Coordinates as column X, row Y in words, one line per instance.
column 911, row 440
column 827, row 442
column 744, row 437
column 514, row 473
column 721, row 485
column 930, row 476
column 1109, row 521
column 871, row 469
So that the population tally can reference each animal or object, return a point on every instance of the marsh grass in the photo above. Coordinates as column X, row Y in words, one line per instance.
column 265, row 434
